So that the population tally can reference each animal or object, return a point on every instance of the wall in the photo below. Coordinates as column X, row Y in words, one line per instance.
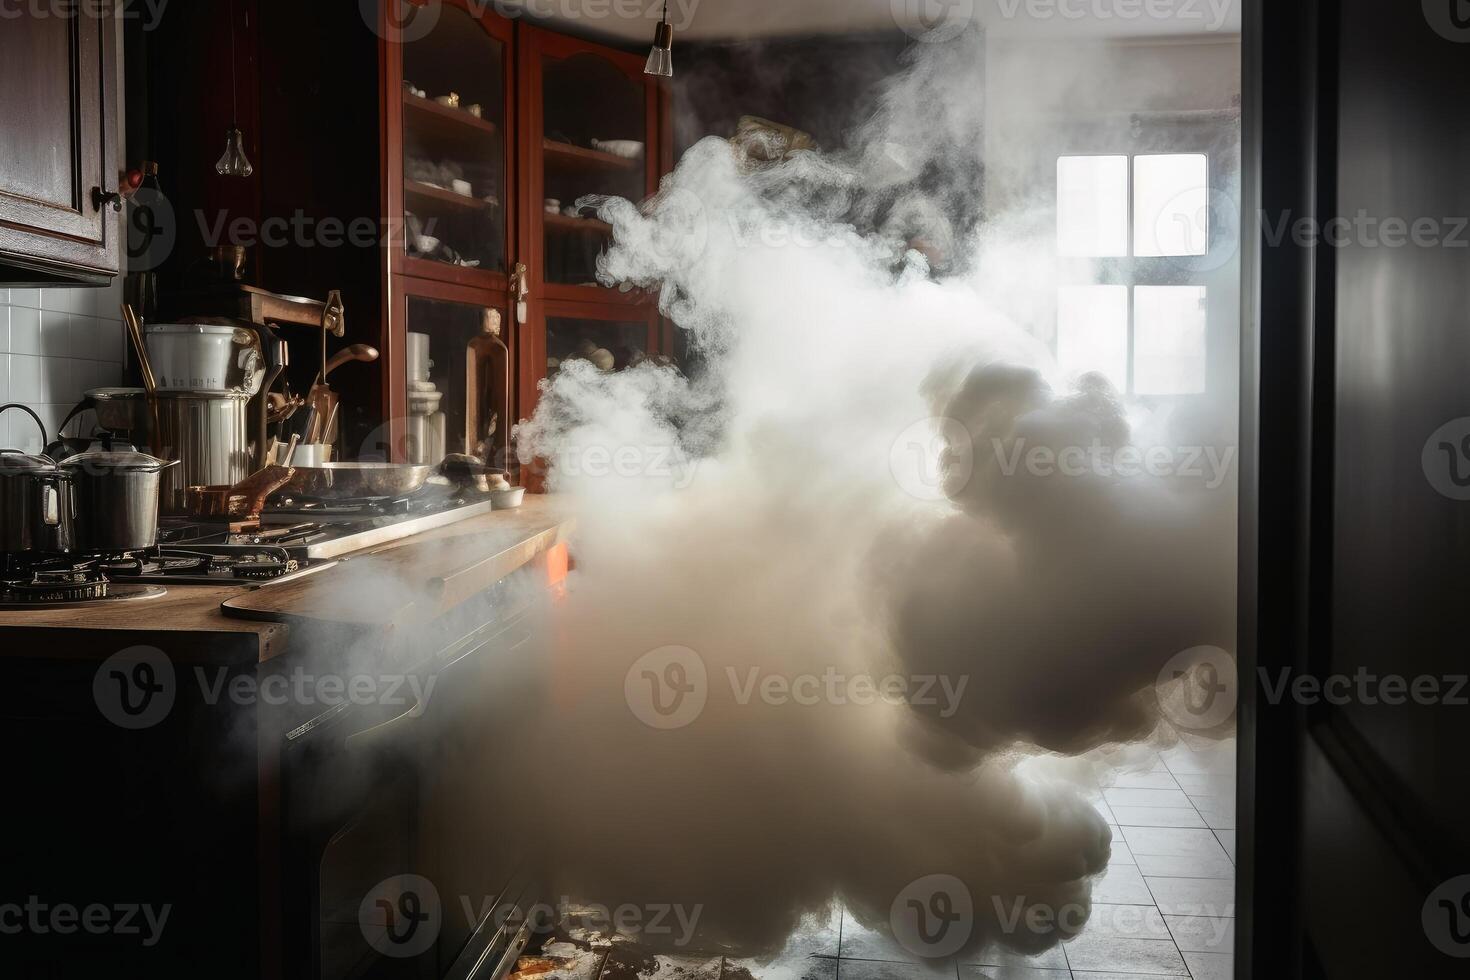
column 54, row 345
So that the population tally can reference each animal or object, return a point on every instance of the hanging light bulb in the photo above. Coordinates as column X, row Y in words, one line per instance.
column 234, row 162
column 661, row 58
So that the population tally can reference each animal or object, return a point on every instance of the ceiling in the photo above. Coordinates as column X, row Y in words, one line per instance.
column 633, row 20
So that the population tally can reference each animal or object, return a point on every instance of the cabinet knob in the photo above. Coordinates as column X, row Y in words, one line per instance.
column 102, row 199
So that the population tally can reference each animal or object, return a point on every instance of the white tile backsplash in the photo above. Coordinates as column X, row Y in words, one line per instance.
column 54, row 345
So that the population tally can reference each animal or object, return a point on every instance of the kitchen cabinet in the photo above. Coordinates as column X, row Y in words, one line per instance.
column 58, row 147
column 484, row 120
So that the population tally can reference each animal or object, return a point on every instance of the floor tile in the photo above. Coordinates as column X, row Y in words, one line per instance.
column 1121, row 853
column 1211, row 966
column 781, row 968
column 878, row 970
column 1194, row 896
column 1123, row 796
column 1143, row 780
column 861, row 943
column 997, row 956
column 1121, row 885
column 1104, row 953
column 1188, row 866
column 1171, row 841
column 1227, row 841
column 1157, row 816
column 1102, row 807
column 1217, row 812
column 1202, row 933
column 1126, row 922
column 1012, row 973
column 1208, row 784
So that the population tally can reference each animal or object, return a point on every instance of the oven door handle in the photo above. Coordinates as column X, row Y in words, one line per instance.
column 370, row 737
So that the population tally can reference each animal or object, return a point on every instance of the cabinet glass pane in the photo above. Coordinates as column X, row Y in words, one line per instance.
column 594, row 132
column 1092, row 206
column 458, row 382
column 610, row 344
column 453, row 143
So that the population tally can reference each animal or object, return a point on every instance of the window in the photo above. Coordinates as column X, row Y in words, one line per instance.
column 1142, row 328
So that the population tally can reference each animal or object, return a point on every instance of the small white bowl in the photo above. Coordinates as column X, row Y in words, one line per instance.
column 507, row 499
column 426, row 244
column 627, row 149
column 463, row 188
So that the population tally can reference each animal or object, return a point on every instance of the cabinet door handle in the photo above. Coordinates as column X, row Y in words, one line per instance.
column 102, row 199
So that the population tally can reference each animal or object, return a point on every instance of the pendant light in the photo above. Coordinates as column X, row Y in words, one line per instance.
column 234, row 162
column 660, row 58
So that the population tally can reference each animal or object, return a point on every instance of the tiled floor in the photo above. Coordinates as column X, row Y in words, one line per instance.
column 1165, row 907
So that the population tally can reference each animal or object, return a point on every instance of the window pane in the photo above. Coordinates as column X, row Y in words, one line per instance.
column 1171, row 204
column 1169, row 340
column 1092, row 331
column 1092, row 206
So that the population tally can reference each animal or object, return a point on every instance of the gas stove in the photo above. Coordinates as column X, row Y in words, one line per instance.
column 54, row 583
column 316, row 531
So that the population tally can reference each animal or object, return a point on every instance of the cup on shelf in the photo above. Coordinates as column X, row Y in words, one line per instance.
column 552, row 205
column 463, row 188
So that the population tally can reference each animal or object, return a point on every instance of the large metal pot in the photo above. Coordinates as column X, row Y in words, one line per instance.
column 206, row 433
column 34, row 501
column 114, row 499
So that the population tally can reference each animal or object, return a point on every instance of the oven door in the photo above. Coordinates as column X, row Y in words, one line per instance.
column 398, row 862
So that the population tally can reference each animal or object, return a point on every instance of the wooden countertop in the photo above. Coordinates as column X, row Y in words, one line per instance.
column 402, row 582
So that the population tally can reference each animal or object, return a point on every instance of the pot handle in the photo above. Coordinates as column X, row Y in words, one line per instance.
column 45, row 438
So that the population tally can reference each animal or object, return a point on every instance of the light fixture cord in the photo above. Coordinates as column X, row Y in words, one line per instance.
column 234, row 70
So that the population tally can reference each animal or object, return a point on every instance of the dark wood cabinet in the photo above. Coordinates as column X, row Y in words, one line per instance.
column 58, row 146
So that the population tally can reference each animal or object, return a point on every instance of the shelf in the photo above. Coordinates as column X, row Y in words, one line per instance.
column 413, row 190
column 579, row 159
column 562, row 222
column 427, row 117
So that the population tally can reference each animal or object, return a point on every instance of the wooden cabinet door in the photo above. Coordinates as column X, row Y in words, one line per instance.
column 58, row 135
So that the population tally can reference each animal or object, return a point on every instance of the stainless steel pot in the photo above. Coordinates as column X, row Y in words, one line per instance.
column 206, row 433
column 114, row 499
column 34, row 501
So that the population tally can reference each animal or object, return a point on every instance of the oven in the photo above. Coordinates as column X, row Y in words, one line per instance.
column 396, row 855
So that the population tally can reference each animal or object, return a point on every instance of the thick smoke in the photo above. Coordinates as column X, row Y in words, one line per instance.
column 797, row 511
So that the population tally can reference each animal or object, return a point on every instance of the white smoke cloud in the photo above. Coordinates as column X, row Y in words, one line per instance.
column 807, row 538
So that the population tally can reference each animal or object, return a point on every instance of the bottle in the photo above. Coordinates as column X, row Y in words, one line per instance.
column 487, row 393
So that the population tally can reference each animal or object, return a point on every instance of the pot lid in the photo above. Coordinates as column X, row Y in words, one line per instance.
column 14, row 463
column 117, row 459
column 213, row 329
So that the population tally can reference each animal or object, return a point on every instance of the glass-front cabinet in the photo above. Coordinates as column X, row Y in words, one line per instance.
column 458, row 379
column 454, row 154
column 494, row 132
column 591, row 130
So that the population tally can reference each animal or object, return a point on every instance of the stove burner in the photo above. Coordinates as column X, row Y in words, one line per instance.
column 206, row 564
column 78, row 583
column 264, row 568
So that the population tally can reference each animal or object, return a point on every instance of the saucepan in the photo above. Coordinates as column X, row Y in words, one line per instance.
column 357, row 481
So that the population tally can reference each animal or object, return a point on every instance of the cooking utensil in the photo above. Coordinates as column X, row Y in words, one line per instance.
column 291, row 450
column 135, row 333
column 243, row 501
column 114, row 497
column 200, row 356
column 347, row 481
column 35, row 511
column 206, row 432
column 354, row 352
